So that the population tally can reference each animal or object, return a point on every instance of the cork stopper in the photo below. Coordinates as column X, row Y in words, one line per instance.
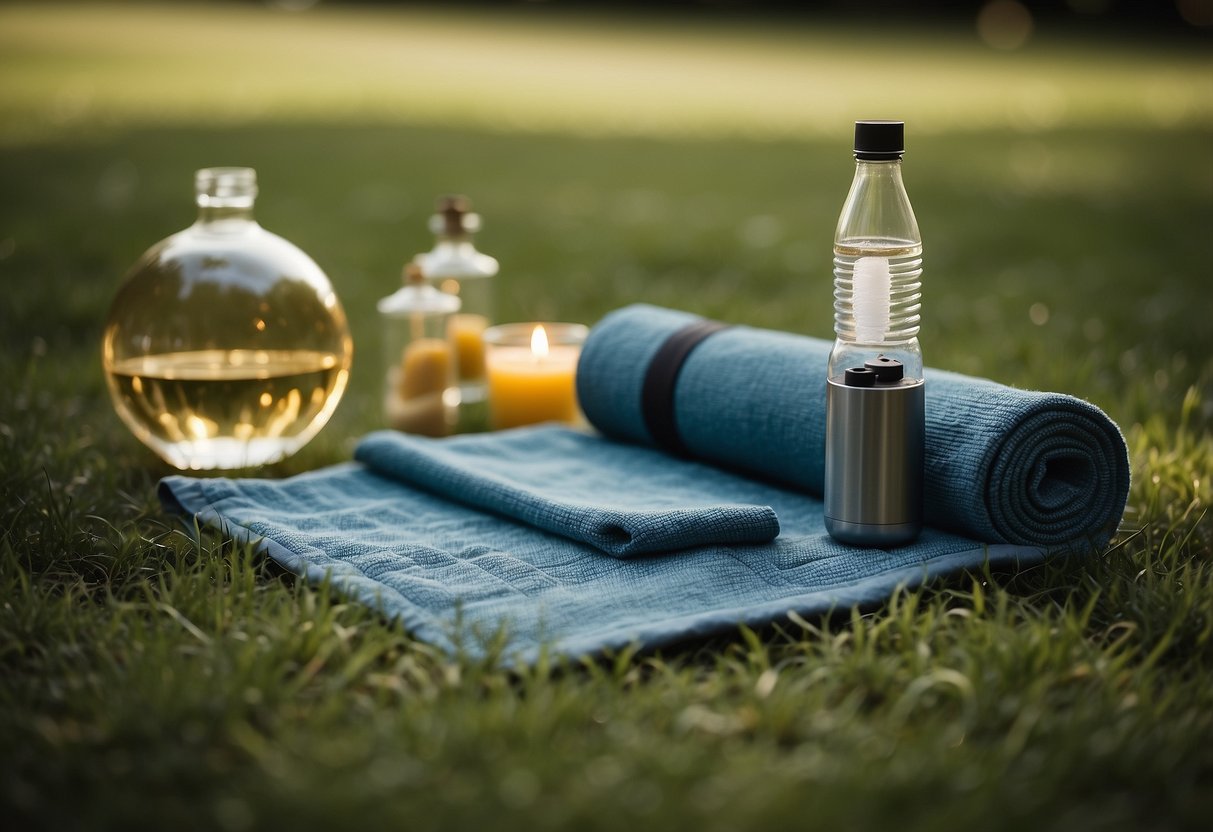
column 454, row 217
column 413, row 275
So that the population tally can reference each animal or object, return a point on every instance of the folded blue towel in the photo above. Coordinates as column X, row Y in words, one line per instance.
column 544, row 479
column 456, row 575
column 1002, row 465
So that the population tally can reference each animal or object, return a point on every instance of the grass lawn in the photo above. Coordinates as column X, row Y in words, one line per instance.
column 1065, row 194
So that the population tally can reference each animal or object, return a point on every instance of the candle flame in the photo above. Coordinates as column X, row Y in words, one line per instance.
column 539, row 343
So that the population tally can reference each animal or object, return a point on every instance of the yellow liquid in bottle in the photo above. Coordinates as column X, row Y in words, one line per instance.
column 466, row 333
column 226, row 408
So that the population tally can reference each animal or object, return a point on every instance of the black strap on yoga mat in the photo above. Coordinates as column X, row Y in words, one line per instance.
column 657, row 394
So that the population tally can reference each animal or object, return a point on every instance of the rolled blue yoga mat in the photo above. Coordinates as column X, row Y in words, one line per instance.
column 1002, row 465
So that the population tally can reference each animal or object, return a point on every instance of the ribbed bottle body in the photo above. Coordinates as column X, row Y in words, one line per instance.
column 878, row 302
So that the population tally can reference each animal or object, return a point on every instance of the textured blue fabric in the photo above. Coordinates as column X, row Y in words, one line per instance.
column 665, row 505
column 455, row 575
column 466, row 537
column 1002, row 465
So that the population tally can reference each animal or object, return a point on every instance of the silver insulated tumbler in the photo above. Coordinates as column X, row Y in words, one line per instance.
column 874, row 455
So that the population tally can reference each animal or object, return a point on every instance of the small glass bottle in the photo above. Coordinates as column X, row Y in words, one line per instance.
column 455, row 266
column 420, row 392
column 225, row 346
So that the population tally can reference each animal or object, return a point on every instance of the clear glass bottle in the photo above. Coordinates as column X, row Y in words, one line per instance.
column 455, row 267
column 421, row 394
column 226, row 345
column 877, row 259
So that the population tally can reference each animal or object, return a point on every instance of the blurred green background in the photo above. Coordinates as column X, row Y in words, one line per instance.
column 1063, row 184
column 696, row 157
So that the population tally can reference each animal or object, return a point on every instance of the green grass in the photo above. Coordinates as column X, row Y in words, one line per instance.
column 148, row 680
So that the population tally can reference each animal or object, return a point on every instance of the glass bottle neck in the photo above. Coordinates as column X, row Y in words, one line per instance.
column 878, row 164
column 225, row 198
column 882, row 173
column 225, row 217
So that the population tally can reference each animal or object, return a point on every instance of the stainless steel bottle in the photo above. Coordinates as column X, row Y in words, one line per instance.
column 874, row 455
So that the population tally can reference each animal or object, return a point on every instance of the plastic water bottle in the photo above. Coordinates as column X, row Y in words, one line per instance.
column 875, row 403
column 877, row 258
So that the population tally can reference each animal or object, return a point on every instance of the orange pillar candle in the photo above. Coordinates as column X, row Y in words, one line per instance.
column 466, row 332
column 424, row 376
column 531, row 373
column 426, row 368
column 420, row 393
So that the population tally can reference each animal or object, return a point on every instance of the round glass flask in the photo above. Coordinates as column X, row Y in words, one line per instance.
column 225, row 346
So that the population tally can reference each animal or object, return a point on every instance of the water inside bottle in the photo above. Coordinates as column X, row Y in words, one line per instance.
column 904, row 288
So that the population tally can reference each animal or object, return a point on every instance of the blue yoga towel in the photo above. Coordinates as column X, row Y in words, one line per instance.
column 548, row 536
column 1002, row 465
column 459, row 577
column 666, row 505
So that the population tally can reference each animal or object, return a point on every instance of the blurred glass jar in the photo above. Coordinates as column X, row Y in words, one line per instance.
column 420, row 389
column 454, row 266
column 226, row 346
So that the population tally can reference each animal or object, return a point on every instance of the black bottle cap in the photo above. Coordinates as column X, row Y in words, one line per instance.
column 859, row 377
column 880, row 140
column 886, row 369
